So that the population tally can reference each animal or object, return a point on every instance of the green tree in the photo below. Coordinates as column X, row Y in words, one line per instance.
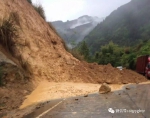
column 110, row 53
column 84, row 50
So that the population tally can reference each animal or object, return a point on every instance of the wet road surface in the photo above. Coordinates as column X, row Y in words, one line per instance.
column 131, row 102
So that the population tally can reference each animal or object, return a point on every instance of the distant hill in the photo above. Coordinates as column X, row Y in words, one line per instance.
column 125, row 26
column 74, row 31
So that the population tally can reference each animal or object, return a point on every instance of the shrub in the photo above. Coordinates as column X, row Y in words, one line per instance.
column 29, row 1
column 8, row 32
column 40, row 10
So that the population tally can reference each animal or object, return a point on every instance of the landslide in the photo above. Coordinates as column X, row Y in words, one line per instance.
column 14, row 83
column 45, row 57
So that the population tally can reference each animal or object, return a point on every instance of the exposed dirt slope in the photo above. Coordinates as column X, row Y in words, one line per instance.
column 51, row 90
column 43, row 50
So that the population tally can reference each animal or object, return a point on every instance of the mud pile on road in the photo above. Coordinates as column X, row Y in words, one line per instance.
column 107, row 74
column 114, row 75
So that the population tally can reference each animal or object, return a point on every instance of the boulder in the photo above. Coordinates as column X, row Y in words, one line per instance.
column 104, row 88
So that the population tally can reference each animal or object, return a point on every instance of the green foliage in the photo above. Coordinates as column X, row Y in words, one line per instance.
column 8, row 32
column 84, row 50
column 126, row 26
column 129, row 60
column 122, row 56
column 144, row 49
column 110, row 53
column 40, row 10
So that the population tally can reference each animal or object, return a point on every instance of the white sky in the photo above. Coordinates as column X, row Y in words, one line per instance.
column 71, row 9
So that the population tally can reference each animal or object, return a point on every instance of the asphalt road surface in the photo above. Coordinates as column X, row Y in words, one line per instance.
column 131, row 102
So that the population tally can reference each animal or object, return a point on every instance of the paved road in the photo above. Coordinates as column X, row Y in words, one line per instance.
column 125, row 103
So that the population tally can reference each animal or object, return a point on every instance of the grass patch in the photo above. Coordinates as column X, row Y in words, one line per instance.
column 40, row 10
column 8, row 32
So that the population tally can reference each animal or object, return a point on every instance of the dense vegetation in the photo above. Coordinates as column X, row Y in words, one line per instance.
column 125, row 56
column 126, row 26
column 116, row 55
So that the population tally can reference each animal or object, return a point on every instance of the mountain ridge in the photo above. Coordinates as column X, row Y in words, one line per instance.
column 71, row 31
column 125, row 26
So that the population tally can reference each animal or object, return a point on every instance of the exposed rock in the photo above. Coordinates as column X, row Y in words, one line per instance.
column 119, row 94
column 37, row 107
column 86, row 95
column 127, row 88
column 104, row 88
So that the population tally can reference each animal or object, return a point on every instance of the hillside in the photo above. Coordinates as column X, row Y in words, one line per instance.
column 125, row 26
column 74, row 31
column 31, row 52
